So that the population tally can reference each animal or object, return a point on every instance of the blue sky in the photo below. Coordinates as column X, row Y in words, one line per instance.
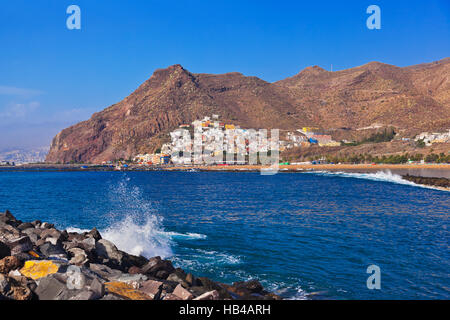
column 52, row 77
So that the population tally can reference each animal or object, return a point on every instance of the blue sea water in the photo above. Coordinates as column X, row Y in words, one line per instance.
column 303, row 235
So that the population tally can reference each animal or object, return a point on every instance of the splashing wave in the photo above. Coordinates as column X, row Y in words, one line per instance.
column 386, row 176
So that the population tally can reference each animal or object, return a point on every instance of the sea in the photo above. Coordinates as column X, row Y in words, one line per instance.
column 305, row 235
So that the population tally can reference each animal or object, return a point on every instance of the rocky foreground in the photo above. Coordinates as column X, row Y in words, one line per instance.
column 39, row 262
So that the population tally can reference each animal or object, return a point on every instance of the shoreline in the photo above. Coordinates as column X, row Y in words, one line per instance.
column 43, row 166
column 430, row 175
column 39, row 262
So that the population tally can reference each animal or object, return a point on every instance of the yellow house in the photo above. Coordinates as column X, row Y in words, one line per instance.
column 309, row 129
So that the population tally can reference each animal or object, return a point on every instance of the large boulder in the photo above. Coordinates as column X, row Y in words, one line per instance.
column 97, row 287
column 21, row 292
column 36, row 269
column 32, row 233
column 210, row 285
column 52, row 233
column 158, row 268
column 25, row 225
column 182, row 293
column 79, row 257
column 105, row 272
column 10, row 263
column 21, row 244
column 179, row 276
column 54, row 287
column 11, row 288
column 210, row 295
column 130, row 260
column 50, row 250
column 8, row 233
column 93, row 234
column 252, row 286
column 7, row 218
column 152, row 288
column 5, row 286
column 125, row 290
column 107, row 251
column 251, row 290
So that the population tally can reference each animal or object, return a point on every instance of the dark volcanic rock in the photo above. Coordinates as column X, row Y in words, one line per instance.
column 109, row 252
column 9, row 263
column 98, row 288
column 53, row 287
column 158, row 268
column 22, row 244
column 94, row 234
column 251, row 290
column 34, row 264
column 4, row 250
column 210, row 285
column 7, row 218
column 25, row 225
column 48, row 249
column 429, row 181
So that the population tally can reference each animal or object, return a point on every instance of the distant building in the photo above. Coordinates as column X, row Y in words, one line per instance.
column 321, row 138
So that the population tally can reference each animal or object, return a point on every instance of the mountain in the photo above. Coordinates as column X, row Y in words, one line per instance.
column 23, row 155
column 412, row 99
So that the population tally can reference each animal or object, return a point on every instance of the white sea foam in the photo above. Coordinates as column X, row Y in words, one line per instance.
column 139, row 238
column 206, row 259
column 220, row 257
column 385, row 176
column 183, row 236
column 77, row 230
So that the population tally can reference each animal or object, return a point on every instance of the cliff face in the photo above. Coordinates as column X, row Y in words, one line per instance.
column 413, row 99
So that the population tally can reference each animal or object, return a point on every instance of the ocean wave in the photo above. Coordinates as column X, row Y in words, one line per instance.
column 200, row 259
column 135, row 226
column 183, row 236
column 139, row 239
column 384, row 176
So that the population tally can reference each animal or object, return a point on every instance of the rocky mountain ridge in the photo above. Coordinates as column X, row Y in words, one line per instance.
column 411, row 99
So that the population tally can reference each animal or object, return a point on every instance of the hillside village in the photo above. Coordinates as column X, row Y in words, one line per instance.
column 215, row 140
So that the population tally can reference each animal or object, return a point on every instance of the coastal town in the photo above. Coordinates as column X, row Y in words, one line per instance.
column 210, row 141
column 206, row 141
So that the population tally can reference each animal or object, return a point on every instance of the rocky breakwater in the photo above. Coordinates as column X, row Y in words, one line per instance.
column 39, row 262
column 429, row 181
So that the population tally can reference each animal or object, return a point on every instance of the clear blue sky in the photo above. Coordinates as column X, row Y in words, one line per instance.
column 51, row 77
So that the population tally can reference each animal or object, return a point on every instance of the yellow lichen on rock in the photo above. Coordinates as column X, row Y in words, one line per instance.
column 35, row 269
column 125, row 290
column 33, row 253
